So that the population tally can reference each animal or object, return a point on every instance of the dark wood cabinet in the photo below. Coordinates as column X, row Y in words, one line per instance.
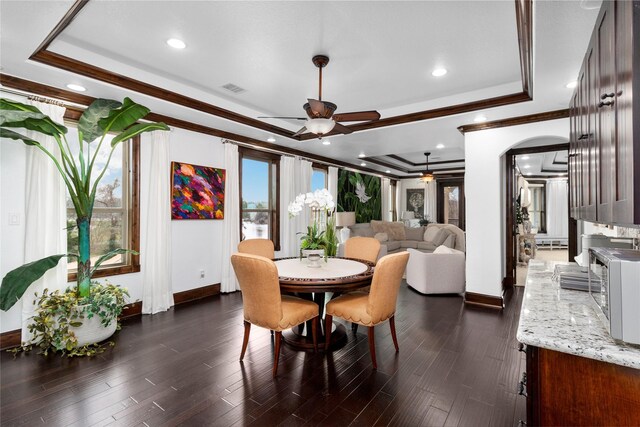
column 562, row 389
column 604, row 166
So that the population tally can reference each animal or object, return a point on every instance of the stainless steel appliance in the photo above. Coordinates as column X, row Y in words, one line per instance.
column 614, row 284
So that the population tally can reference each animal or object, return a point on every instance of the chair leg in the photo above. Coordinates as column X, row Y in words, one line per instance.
column 314, row 333
column 372, row 347
column 247, row 330
column 392, row 325
column 328, row 324
column 354, row 328
column 276, row 356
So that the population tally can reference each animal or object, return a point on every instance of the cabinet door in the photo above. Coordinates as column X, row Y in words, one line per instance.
column 588, row 158
column 624, row 210
column 574, row 156
column 604, row 111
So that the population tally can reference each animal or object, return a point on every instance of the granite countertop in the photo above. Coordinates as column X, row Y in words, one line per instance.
column 567, row 321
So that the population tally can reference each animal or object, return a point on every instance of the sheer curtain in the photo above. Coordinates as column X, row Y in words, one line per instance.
column 231, row 231
column 155, row 254
column 430, row 201
column 557, row 208
column 386, row 198
column 295, row 178
column 332, row 182
column 45, row 214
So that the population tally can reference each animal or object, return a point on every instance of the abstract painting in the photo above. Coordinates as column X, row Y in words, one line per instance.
column 197, row 192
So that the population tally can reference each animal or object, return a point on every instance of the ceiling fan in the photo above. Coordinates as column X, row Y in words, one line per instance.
column 321, row 120
column 427, row 175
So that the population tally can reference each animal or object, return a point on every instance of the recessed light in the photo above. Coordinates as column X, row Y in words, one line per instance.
column 440, row 146
column 529, row 173
column 387, row 171
column 527, row 166
column 571, row 85
column 77, row 88
column 361, row 155
column 326, row 142
column 176, row 43
column 271, row 139
column 363, row 164
column 525, row 157
column 439, row 72
column 480, row 118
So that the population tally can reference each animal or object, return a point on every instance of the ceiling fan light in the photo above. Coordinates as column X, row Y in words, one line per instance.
column 426, row 177
column 319, row 126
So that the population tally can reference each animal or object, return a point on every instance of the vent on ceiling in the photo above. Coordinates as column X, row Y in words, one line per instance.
column 233, row 88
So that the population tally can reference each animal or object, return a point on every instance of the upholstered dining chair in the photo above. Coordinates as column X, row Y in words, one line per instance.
column 373, row 308
column 366, row 248
column 264, row 306
column 262, row 247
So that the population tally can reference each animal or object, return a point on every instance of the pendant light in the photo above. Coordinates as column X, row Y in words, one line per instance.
column 427, row 175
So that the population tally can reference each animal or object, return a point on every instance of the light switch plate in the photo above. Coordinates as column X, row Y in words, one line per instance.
column 14, row 218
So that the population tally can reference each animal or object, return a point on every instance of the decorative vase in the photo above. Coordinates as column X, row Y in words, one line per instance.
column 92, row 330
column 312, row 256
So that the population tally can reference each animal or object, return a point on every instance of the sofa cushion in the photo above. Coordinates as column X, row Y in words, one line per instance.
column 413, row 233
column 362, row 232
column 450, row 241
column 392, row 245
column 395, row 230
column 408, row 244
column 441, row 236
column 429, row 246
column 430, row 233
column 378, row 226
column 381, row 237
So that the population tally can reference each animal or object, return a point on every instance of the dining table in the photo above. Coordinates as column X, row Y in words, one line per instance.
column 314, row 281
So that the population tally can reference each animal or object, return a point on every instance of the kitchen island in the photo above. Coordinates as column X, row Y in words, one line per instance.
column 576, row 373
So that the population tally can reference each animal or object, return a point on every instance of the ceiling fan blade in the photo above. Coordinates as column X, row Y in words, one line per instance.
column 317, row 107
column 357, row 116
column 286, row 118
column 301, row 131
column 338, row 128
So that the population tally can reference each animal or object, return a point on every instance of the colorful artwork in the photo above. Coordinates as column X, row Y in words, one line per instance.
column 197, row 192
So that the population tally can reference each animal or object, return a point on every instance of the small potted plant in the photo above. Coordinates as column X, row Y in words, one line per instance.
column 72, row 321
column 320, row 237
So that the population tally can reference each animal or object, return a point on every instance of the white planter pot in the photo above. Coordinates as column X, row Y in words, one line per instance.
column 92, row 330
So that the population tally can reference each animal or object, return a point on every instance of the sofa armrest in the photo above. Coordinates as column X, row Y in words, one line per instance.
column 436, row 273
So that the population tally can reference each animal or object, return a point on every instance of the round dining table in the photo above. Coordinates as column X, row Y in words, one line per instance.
column 336, row 275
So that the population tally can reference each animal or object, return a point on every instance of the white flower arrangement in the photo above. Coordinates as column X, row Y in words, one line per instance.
column 319, row 200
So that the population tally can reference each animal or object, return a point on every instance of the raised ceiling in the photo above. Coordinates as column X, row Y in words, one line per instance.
column 382, row 55
column 549, row 164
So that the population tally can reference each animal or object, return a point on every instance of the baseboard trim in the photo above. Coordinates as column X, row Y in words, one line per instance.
column 483, row 300
column 12, row 339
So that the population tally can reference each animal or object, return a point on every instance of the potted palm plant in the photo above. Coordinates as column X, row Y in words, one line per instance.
column 61, row 317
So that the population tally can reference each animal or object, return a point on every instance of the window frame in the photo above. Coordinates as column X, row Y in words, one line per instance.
column 274, row 184
column 132, row 209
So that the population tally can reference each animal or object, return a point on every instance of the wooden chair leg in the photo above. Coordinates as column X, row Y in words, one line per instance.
column 328, row 324
column 372, row 347
column 276, row 356
column 247, row 330
column 392, row 325
column 314, row 333
column 354, row 328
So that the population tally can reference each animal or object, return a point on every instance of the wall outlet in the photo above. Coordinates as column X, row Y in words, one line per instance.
column 202, row 274
column 14, row 218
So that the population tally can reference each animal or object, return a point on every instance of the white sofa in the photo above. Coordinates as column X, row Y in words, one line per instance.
column 436, row 273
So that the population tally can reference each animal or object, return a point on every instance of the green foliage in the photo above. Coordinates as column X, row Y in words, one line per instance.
column 59, row 312
column 348, row 200
column 330, row 237
column 314, row 239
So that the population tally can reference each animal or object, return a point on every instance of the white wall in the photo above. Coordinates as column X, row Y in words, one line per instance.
column 484, row 185
column 196, row 244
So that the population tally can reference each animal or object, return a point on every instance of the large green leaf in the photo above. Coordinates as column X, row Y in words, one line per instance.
column 6, row 133
column 89, row 121
column 15, row 117
column 16, row 282
column 108, row 256
column 31, row 118
column 123, row 117
column 9, row 104
column 137, row 130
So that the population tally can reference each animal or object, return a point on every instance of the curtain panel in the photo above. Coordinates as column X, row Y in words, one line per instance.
column 231, row 230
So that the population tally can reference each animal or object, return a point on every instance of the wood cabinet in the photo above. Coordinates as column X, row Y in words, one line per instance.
column 604, row 164
column 562, row 389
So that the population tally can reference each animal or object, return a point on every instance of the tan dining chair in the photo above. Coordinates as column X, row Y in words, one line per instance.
column 262, row 247
column 371, row 309
column 263, row 304
column 366, row 248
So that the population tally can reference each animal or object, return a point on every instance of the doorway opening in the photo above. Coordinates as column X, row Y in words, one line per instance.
column 451, row 202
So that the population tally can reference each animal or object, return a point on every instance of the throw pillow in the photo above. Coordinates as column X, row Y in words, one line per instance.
column 430, row 233
column 443, row 250
column 450, row 241
column 381, row 237
column 395, row 230
column 413, row 233
column 378, row 226
column 441, row 236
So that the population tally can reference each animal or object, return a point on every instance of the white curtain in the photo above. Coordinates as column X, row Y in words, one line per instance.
column 45, row 214
column 155, row 254
column 231, row 231
column 332, row 183
column 557, row 208
column 430, row 201
column 295, row 178
column 386, row 199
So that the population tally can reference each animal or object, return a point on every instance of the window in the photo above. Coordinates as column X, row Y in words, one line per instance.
column 537, row 209
column 114, row 223
column 259, row 192
column 319, row 179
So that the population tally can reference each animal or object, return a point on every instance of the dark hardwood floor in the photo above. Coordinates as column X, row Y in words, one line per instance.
column 457, row 366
